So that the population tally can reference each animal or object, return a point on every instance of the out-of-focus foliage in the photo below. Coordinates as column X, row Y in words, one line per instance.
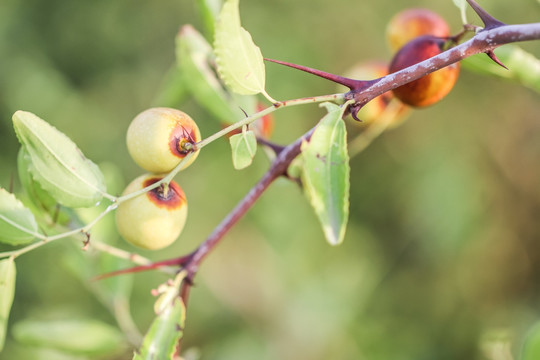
column 443, row 244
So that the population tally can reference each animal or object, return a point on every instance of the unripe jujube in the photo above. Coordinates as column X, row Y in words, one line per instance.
column 411, row 23
column 154, row 219
column 156, row 139
column 428, row 89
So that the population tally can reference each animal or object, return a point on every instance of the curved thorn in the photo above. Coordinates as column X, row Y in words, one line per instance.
column 494, row 57
column 488, row 20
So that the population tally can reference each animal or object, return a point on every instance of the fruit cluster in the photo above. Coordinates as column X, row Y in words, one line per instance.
column 415, row 35
column 157, row 140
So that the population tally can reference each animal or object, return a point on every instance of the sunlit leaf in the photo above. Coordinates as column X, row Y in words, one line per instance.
column 209, row 11
column 325, row 174
column 7, row 292
column 240, row 62
column 531, row 347
column 76, row 336
column 462, row 6
column 17, row 223
column 523, row 66
column 194, row 57
column 57, row 164
column 166, row 330
column 244, row 148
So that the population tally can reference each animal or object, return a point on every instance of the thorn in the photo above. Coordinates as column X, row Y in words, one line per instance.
column 350, row 83
column 494, row 57
column 489, row 21
column 355, row 108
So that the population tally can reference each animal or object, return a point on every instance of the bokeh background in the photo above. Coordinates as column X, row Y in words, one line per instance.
column 441, row 257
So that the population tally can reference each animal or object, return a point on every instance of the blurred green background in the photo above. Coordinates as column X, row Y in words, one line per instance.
column 441, row 258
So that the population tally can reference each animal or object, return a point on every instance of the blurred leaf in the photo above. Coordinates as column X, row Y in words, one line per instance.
column 531, row 347
column 194, row 56
column 209, row 10
column 57, row 164
column 244, row 148
column 77, row 336
column 326, row 174
column 173, row 90
column 17, row 223
column 43, row 202
column 7, row 292
column 462, row 6
column 523, row 66
column 164, row 333
column 240, row 62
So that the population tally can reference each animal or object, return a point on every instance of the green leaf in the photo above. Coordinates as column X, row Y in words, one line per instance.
column 244, row 148
column 7, row 292
column 462, row 6
column 77, row 336
column 523, row 66
column 325, row 174
column 166, row 330
column 240, row 62
column 57, row 164
column 17, row 223
column 209, row 11
column 194, row 56
column 531, row 347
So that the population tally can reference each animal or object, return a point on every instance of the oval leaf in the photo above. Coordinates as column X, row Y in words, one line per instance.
column 166, row 330
column 57, row 164
column 531, row 347
column 17, row 223
column 75, row 336
column 244, row 148
column 325, row 174
column 194, row 56
column 7, row 292
column 240, row 62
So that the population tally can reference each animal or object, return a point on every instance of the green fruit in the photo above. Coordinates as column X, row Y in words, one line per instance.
column 156, row 139
column 154, row 219
column 411, row 23
column 428, row 89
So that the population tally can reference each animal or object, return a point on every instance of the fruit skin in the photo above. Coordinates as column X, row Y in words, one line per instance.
column 154, row 219
column 155, row 138
column 411, row 23
column 432, row 87
column 374, row 109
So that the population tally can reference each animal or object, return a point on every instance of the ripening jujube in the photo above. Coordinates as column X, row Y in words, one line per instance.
column 155, row 219
column 430, row 88
column 156, row 139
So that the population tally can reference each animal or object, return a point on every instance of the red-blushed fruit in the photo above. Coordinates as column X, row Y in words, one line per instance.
column 411, row 23
column 428, row 89
column 154, row 219
column 374, row 109
column 156, row 138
